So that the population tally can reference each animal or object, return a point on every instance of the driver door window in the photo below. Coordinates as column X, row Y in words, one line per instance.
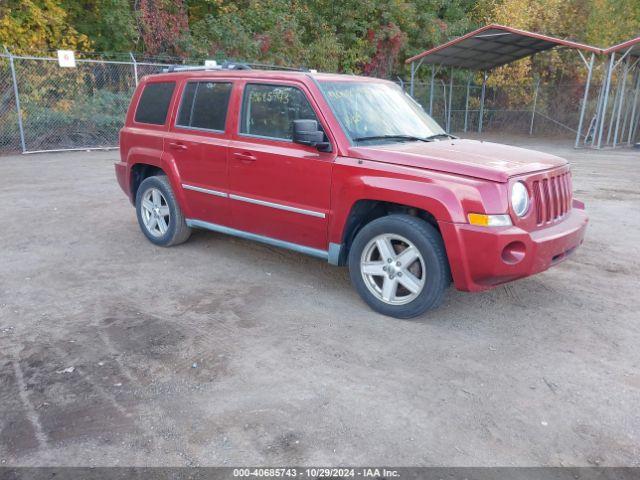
column 269, row 111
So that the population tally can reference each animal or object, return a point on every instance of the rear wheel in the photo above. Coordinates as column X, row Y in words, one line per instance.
column 159, row 214
column 398, row 265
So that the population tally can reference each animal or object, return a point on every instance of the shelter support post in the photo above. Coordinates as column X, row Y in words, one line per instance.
column 627, row 106
column 450, row 97
column 466, row 104
column 482, row 94
column 585, row 98
column 535, row 101
column 596, row 120
column 623, row 87
column 413, row 75
column 632, row 122
column 433, row 76
column 614, row 106
column 16, row 94
column 605, row 98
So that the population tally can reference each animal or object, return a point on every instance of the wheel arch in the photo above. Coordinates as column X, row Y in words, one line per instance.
column 364, row 211
column 143, row 166
column 139, row 172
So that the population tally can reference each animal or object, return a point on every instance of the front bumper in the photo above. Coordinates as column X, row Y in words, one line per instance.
column 483, row 257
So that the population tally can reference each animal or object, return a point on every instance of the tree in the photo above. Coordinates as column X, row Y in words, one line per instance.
column 111, row 24
column 353, row 36
column 28, row 26
column 164, row 23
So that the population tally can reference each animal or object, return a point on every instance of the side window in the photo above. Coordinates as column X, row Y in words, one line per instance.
column 269, row 110
column 204, row 105
column 154, row 103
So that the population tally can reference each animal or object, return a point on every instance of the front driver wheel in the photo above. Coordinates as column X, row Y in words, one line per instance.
column 159, row 214
column 398, row 265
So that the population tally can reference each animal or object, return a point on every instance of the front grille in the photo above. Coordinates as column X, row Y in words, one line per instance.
column 552, row 197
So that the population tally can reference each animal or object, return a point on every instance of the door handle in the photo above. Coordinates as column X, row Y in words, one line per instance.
column 177, row 146
column 245, row 156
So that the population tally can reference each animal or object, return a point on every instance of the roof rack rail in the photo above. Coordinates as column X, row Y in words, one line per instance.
column 270, row 66
column 228, row 65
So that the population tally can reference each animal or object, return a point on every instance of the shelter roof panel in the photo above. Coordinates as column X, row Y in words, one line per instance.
column 492, row 46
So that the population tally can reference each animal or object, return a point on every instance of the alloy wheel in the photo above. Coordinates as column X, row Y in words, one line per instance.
column 393, row 269
column 155, row 212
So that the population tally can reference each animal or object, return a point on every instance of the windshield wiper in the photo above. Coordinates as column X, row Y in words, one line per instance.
column 384, row 137
column 441, row 135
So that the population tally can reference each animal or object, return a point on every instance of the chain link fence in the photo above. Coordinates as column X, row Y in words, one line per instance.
column 65, row 108
column 84, row 107
column 9, row 130
column 535, row 109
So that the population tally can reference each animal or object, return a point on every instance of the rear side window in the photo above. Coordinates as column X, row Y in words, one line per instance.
column 269, row 110
column 204, row 105
column 154, row 103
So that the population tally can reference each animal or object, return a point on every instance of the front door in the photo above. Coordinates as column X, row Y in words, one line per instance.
column 277, row 188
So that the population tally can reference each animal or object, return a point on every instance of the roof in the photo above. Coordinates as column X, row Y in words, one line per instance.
column 492, row 46
column 633, row 45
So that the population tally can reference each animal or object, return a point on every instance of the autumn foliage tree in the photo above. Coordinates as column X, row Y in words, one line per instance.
column 163, row 22
column 28, row 26
column 354, row 36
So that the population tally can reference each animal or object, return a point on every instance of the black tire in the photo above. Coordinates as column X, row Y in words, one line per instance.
column 177, row 232
column 431, row 247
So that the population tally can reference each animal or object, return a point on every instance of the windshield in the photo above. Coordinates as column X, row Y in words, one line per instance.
column 376, row 112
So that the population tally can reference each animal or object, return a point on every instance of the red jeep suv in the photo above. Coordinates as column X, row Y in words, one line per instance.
column 348, row 169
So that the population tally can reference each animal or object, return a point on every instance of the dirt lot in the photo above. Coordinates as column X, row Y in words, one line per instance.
column 226, row 352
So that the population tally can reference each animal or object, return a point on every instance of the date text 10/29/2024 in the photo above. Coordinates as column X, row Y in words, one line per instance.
column 317, row 472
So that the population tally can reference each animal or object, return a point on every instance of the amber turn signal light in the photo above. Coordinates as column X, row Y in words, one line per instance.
column 485, row 220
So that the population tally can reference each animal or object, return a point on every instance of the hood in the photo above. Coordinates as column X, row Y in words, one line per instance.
column 473, row 158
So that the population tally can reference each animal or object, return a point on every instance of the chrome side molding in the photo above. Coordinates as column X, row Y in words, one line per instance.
column 204, row 190
column 279, row 206
column 255, row 201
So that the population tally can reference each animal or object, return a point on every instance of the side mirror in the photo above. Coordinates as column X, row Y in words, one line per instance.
column 306, row 132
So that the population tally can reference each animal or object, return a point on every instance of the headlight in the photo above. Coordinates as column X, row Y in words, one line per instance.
column 519, row 199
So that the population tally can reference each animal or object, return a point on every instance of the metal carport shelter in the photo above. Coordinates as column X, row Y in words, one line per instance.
column 623, row 114
column 493, row 46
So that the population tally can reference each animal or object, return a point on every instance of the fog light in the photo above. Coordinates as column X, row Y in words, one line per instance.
column 489, row 220
column 513, row 253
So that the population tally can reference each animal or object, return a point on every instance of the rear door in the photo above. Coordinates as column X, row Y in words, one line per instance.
column 198, row 142
column 278, row 189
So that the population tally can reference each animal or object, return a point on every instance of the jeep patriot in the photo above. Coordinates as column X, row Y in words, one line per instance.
column 347, row 169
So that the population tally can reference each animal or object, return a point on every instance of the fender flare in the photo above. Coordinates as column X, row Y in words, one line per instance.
column 436, row 199
column 166, row 163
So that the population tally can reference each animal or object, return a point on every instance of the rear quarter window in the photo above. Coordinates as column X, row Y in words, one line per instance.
column 154, row 103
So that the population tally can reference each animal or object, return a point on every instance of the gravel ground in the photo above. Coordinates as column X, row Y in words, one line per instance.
column 226, row 352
